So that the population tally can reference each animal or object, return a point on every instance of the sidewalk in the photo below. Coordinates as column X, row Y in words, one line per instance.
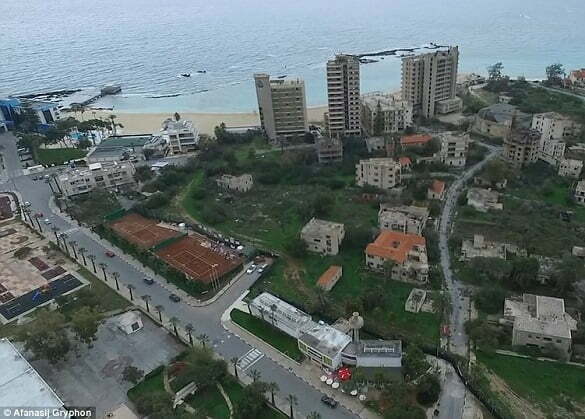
column 306, row 371
column 188, row 299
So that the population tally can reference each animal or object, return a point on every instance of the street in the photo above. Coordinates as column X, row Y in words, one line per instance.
column 205, row 319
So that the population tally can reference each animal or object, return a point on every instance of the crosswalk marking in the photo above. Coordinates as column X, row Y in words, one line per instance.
column 249, row 359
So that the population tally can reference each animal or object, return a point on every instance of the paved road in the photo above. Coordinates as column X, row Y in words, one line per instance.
column 204, row 319
column 454, row 392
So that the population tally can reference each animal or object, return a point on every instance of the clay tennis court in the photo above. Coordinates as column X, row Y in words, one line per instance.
column 141, row 231
column 196, row 256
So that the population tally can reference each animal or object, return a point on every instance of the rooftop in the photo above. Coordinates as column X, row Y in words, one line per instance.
column 267, row 302
column 394, row 245
column 387, row 101
column 416, row 139
column 138, row 140
column 411, row 211
column 325, row 339
column 328, row 276
column 320, row 227
column 483, row 195
column 20, row 384
column 438, row 186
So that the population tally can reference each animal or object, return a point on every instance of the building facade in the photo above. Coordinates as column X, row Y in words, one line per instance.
column 241, row 183
column 381, row 172
column 521, row 146
column 97, row 175
column 403, row 219
column 394, row 114
column 322, row 236
column 282, row 107
column 429, row 79
column 580, row 192
column 554, row 126
column 329, row 150
column 343, row 96
column 454, row 147
column 571, row 168
column 182, row 136
column 406, row 253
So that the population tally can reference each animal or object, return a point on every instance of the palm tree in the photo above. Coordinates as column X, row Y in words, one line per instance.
column 272, row 388
column 189, row 329
column 130, row 288
column 114, row 124
column 234, row 361
column 82, row 252
column 38, row 223
column 255, row 375
column 73, row 245
column 103, row 267
column 55, row 229
column 159, row 309
column 292, row 399
column 64, row 239
column 314, row 415
column 146, row 299
column 116, row 276
column 92, row 258
column 203, row 338
column 174, row 321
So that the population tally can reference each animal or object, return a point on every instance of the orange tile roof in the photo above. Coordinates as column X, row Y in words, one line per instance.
column 394, row 245
column 328, row 276
column 404, row 161
column 578, row 74
column 438, row 186
column 417, row 139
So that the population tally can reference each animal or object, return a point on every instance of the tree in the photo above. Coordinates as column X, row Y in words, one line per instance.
column 253, row 402
column 174, row 322
column 272, row 388
column 490, row 299
column 157, row 405
column 428, row 390
column 481, row 334
column 159, row 309
column 497, row 82
column 92, row 259
column 496, row 171
column 524, row 275
column 296, row 247
column 293, row 401
column 177, row 116
column 189, row 329
column 130, row 288
column 405, row 411
column 415, row 362
column 203, row 338
column 82, row 252
column 555, row 73
column 389, row 265
column 46, row 337
column 85, row 325
column 255, row 375
column 234, row 362
column 132, row 374
column 146, row 298
column 143, row 174
column 116, row 276
column 103, row 267
column 495, row 71
column 566, row 273
column 314, row 415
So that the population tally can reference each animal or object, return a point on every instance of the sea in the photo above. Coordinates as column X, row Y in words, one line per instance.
column 145, row 45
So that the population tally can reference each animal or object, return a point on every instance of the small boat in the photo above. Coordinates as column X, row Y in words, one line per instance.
column 202, row 71
column 281, row 77
column 186, row 74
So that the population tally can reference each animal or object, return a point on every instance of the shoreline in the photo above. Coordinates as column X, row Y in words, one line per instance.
column 150, row 122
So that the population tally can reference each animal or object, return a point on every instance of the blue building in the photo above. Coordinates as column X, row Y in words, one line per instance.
column 10, row 108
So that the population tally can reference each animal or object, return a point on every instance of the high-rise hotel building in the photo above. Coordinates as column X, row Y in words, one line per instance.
column 343, row 93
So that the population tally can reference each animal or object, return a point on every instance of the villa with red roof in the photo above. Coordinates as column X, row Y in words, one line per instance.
column 416, row 140
column 407, row 253
column 436, row 190
column 576, row 79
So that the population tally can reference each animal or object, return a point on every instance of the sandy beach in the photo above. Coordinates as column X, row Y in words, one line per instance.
column 141, row 123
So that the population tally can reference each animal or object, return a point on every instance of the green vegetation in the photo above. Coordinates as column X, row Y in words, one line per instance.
column 538, row 381
column 92, row 207
column 97, row 295
column 58, row 156
column 268, row 333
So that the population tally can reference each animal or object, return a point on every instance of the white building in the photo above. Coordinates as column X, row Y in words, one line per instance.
column 343, row 96
column 323, row 236
column 130, row 322
column 404, row 219
column 580, row 192
column 396, row 114
column 323, row 344
column 242, row 183
column 280, row 314
column 551, row 151
column 22, row 386
column 381, row 172
column 97, row 175
column 484, row 200
column 182, row 136
column 554, row 126
column 454, row 147
column 570, row 168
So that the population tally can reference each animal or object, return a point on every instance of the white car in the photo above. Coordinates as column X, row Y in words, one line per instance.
column 251, row 269
column 47, row 221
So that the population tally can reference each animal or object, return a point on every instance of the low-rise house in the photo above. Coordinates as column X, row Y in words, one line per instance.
column 405, row 163
column 415, row 140
column 571, row 168
column 97, row 175
column 395, row 114
column 576, row 79
column 578, row 251
column 496, row 120
column 330, row 277
column 479, row 247
column 329, row 150
column 484, row 200
column 415, row 300
column 406, row 254
column 280, row 314
column 540, row 322
column 454, row 147
column 182, row 135
column 404, row 219
column 381, row 172
column 323, row 344
column 436, row 190
column 446, row 106
column 580, row 192
column 484, row 182
column 322, row 236
column 554, row 126
column 242, row 183
column 122, row 147
column 374, row 144
column 521, row 146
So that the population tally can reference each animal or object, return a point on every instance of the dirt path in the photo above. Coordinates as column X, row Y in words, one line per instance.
column 520, row 406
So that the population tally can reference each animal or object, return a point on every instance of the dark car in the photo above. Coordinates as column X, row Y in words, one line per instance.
column 110, row 254
column 332, row 403
column 148, row 281
column 174, row 298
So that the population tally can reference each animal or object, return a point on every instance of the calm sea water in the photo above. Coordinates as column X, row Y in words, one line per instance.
column 146, row 44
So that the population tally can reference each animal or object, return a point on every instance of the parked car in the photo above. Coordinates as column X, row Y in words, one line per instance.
column 174, row 298
column 47, row 221
column 110, row 254
column 329, row 401
column 148, row 281
column 251, row 269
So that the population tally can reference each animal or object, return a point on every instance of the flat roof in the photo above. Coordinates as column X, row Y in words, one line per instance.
column 318, row 226
column 126, row 140
column 329, row 275
column 394, row 245
column 325, row 339
column 20, row 384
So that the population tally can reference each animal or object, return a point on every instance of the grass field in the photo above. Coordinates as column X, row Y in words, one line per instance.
column 211, row 402
column 538, row 381
column 268, row 333
column 57, row 156
column 108, row 298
